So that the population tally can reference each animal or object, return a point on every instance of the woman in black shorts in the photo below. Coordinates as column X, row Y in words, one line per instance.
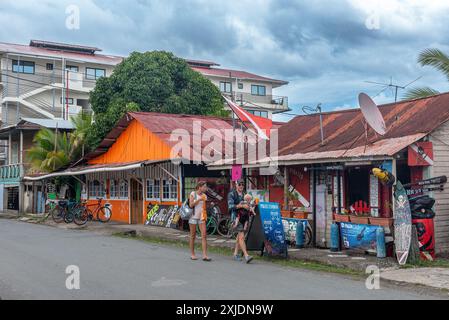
column 241, row 226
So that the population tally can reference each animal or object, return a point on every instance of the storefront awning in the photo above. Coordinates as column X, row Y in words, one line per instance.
column 110, row 167
column 379, row 150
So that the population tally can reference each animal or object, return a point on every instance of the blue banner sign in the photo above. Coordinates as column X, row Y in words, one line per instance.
column 270, row 215
column 358, row 236
column 290, row 225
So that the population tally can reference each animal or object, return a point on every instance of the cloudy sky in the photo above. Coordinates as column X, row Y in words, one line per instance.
column 326, row 49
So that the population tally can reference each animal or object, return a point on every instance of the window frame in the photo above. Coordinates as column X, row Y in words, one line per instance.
column 49, row 67
column 171, row 192
column 258, row 87
column 225, row 83
column 155, row 194
column 122, row 195
column 114, row 191
column 96, row 191
column 69, row 99
column 72, row 68
column 94, row 76
column 20, row 64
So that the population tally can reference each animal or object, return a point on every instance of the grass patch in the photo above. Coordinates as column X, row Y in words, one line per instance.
column 291, row 263
column 438, row 263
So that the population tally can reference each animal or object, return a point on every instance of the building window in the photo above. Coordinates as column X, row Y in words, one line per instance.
column 153, row 189
column 225, row 87
column 72, row 68
column 258, row 90
column 240, row 86
column 123, row 189
column 70, row 101
column 114, row 189
column 96, row 189
column 49, row 66
column 23, row 67
column 94, row 74
column 170, row 190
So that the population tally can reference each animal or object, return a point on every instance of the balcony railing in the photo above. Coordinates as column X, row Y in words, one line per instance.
column 271, row 102
column 13, row 87
column 11, row 172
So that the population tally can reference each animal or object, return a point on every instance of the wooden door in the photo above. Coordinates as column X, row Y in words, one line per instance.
column 136, row 202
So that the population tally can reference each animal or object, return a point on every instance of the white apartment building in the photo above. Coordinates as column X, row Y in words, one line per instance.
column 251, row 91
column 49, row 80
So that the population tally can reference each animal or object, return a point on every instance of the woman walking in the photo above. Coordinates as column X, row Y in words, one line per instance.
column 197, row 201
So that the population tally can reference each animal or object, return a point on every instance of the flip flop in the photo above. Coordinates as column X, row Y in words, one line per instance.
column 207, row 259
column 194, row 259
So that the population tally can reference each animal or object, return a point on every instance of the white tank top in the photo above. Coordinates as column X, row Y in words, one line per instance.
column 199, row 207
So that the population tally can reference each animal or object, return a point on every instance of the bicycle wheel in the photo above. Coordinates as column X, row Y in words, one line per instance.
column 104, row 214
column 81, row 216
column 308, row 236
column 57, row 213
column 212, row 226
column 224, row 226
column 69, row 217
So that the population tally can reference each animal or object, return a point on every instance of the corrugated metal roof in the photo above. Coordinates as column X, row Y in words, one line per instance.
column 163, row 125
column 345, row 129
column 50, row 123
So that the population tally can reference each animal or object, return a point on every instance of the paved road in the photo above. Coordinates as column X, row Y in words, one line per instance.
column 33, row 261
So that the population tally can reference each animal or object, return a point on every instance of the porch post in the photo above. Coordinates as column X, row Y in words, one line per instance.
column 21, row 147
column 339, row 191
column 314, row 207
column 286, row 185
column 9, row 147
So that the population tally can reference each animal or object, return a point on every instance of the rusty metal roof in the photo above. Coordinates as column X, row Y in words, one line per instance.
column 163, row 125
column 344, row 130
column 344, row 133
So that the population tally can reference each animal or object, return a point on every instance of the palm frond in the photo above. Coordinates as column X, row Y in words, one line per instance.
column 417, row 93
column 435, row 58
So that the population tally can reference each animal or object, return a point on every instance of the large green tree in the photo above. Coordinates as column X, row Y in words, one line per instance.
column 433, row 58
column 154, row 81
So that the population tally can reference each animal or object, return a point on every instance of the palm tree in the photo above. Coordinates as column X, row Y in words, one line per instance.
column 434, row 58
column 53, row 150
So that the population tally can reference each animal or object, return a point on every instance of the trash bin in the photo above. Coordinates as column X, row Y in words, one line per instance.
column 423, row 220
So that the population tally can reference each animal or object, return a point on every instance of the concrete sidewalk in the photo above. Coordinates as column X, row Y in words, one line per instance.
column 431, row 277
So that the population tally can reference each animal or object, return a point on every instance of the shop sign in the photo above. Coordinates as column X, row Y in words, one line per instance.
column 358, row 236
column 270, row 214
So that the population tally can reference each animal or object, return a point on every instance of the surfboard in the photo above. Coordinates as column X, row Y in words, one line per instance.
column 402, row 224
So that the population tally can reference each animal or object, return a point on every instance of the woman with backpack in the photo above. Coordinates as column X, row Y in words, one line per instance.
column 197, row 201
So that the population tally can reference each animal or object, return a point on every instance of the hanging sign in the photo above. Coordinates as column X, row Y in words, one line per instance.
column 358, row 236
column 236, row 172
column 420, row 154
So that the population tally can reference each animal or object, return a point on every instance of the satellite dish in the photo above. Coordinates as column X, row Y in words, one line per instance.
column 372, row 114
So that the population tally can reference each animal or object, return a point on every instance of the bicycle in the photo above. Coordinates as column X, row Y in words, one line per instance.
column 83, row 213
column 213, row 213
column 62, row 211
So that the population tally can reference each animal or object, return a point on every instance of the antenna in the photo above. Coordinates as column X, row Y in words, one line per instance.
column 307, row 109
column 391, row 85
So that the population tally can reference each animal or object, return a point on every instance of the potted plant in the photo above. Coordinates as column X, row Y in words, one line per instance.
column 380, row 221
column 342, row 217
column 361, row 218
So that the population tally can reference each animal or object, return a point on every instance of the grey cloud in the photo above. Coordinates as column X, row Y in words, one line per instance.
column 322, row 47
